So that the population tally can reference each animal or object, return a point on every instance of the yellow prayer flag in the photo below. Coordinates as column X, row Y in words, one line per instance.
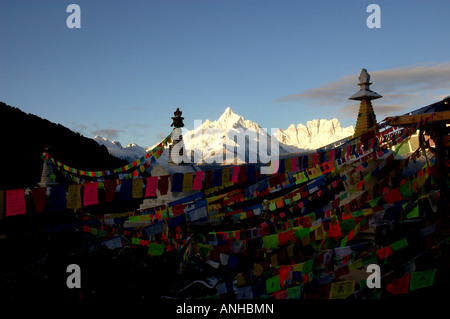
column 320, row 232
column 138, row 187
column 74, row 197
column 274, row 260
column 257, row 270
column 342, row 289
column 188, row 181
column 298, row 267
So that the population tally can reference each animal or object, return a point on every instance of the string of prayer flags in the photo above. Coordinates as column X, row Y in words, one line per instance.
column 39, row 198
column 15, row 202
column 90, row 196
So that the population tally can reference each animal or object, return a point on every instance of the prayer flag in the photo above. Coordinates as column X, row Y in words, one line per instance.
column 110, row 190
column 138, row 188
column 414, row 212
column 399, row 286
column 187, row 181
column 177, row 182
column 235, row 176
column 90, row 194
column 152, row 186
column 74, row 197
column 155, row 249
column 342, row 289
column 164, row 184
column 384, row 252
column 273, row 284
column 422, row 279
column 57, row 199
column 402, row 243
column 15, row 202
column 198, row 181
column 39, row 198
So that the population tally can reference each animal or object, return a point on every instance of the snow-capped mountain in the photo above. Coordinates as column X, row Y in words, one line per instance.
column 316, row 134
column 129, row 153
column 231, row 135
column 219, row 141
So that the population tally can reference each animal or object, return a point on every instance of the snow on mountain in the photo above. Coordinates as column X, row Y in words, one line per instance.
column 315, row 134
column 231, row 135
column 129, row 153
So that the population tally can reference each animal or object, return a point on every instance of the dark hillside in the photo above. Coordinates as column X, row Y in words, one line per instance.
column 23, row 138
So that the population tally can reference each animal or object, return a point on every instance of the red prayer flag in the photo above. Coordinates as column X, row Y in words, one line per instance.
column 15, row 202
column 384, row 252
column 235, row 176
column 198, row 181
column 399, row 286
column 152, row 186
column 90, row 196
column 334, row 230
column 39, row 198
column 110, row 190
column 283, row 271
column 393, row 196
column 164, row 184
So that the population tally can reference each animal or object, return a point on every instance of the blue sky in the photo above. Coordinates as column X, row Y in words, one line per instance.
column 132, row 63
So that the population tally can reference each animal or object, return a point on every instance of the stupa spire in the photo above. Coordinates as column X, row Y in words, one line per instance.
column 366, row 115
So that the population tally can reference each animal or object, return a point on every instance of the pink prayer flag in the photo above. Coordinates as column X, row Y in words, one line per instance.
column 15, row 202
column 90, row 194
column 152, row 186
column 294, row 164
column 235, row 176
column 198, row 181
column 331, row 156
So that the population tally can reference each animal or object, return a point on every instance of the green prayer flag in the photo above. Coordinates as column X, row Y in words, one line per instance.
column 402, row 243
column 273, row 284
column 370, row 258
column 293, row 292
column 308, row 266
column 155, row 249
column 414, row 212
column 407, row 189
column 422, row 279
column 302, row 232
column 271, row 241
